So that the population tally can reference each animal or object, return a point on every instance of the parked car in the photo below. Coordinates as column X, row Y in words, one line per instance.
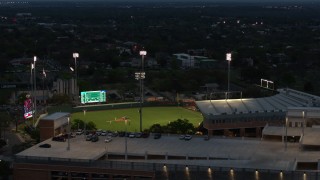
column 181, row 137
column 122, row 134
column 138, row 135
column 89, row 137
column 98, row 132
column 145, row 135
column 45, row 145
column 79, row 132
column 103, row 133
column 110, row 134
column 132, row 135
column 108, row 139
column 95, row 138
column 59, row 138
column 157, row 136
column 115, row 134
column 72, row 135
column 187, row 137
column 206, row 137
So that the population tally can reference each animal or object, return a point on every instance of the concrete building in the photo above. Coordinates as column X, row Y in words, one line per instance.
column 53, row 125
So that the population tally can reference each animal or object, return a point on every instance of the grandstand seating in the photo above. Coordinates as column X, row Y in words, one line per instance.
column 276, row 103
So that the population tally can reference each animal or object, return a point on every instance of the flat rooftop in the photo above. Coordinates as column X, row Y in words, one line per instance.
column 218, row 151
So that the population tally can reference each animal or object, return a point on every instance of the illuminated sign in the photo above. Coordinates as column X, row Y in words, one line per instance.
column 93, row 96
column 27, row 106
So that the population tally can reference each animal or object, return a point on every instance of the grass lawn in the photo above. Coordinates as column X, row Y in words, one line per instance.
column 150, row 115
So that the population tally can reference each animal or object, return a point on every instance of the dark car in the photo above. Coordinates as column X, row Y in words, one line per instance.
column 145, row 135
column 206, row 137
column 45, row 145
column 157, row 136
column 122, row 134
column 89, row 137
column 95, row 138
column 59, row 138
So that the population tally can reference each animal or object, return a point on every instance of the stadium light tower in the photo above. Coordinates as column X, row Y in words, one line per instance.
column 228, row 58
column 35, row 88
column 141, row 76
column 75, row 56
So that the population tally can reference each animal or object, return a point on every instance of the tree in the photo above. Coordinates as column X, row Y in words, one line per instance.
column 181, row 127
column 77, row 124
column 177, row 127
column 91, row 126
column 156, row 128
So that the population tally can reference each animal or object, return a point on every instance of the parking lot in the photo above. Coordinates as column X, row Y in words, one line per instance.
column 244, row 153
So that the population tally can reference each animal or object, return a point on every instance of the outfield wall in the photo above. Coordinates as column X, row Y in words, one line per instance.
column 99, row 107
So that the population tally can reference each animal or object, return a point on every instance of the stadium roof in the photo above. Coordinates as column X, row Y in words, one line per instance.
column 277, row 103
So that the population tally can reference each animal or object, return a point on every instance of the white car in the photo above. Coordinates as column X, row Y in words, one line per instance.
column 132, row 135
column 103, row 133
column 108, row 139
column 79, row 132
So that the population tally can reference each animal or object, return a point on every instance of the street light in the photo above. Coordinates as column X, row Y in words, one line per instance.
column 303, row 123
column 35, row 88
column 68, row 148
column 140, row 76
column 286, row 138
column 126, row 142
column 228, row 58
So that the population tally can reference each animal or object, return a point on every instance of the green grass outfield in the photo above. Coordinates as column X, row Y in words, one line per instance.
column 150, row 115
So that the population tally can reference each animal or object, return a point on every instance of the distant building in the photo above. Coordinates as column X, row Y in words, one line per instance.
column 191, row 61
column 66, row 86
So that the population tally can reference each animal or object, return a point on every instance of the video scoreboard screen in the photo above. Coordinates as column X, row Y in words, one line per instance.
column 93, row 96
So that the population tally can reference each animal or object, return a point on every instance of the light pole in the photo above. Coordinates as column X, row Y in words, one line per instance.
column 286, row 138
column 32, row 91
column 126, row 142
column 68, row 148
column 75, row 56
column 228, row 58
column 85, row 131
column 303, row 123
column 140, row 76
column 44, row 75
column 35, row 89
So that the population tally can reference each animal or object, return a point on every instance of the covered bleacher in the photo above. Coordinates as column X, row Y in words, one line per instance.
column 254, row 112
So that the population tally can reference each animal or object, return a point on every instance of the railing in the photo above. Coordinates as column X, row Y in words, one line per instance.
column 165, row 170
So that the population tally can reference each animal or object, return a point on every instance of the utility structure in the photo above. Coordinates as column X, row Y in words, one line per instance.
column 140, row 76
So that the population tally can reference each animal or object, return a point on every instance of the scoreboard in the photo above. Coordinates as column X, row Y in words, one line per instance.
column 93, row 96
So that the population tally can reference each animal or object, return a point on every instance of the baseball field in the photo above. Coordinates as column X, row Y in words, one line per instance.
column 117, row 119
